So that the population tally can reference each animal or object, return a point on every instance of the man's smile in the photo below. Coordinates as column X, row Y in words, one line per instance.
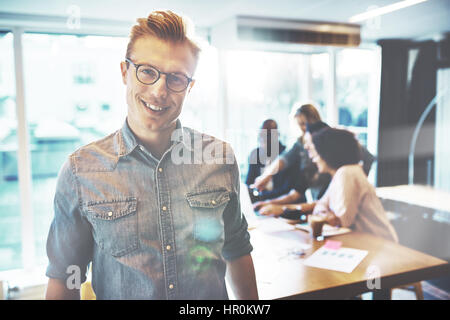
column 152, row 107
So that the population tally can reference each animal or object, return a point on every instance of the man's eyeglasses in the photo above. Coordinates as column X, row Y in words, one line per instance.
column 147, row 74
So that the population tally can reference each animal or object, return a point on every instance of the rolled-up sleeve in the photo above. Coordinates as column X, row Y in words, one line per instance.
column 237, row 238
column 69, row 242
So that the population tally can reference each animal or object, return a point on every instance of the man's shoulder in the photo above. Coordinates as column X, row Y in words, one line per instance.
column 296, row 147
column 100, row 155
column 209, row 146
column 205, row 138
column 194, row 133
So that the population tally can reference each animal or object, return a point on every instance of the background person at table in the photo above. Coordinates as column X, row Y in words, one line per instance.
column 261, row 157
column 366, row 158
column 350, row 200
column 308, row 177
column 317, row 181
column 296, row 157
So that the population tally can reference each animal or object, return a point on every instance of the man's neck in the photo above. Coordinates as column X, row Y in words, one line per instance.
column 157, row 145
column 157, row 142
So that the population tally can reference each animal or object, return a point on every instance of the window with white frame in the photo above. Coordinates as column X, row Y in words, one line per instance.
column 200, row 109
column 260, row 85
column 72, row 98
column 10, row 217
column 319, row 68
column 354, row 73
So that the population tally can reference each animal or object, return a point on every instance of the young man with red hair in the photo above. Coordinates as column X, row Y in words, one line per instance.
column 153, row 227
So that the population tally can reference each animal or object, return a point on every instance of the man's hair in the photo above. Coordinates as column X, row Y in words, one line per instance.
column 165, row 25
column 316, row 126
column 269, row 124
column 337, row 147
column 309, row 112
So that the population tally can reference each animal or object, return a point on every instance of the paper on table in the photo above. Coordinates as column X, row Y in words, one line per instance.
column 327, row 230
column 274, row 251
column 344, row 259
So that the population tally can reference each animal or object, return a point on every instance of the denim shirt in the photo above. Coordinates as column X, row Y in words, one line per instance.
column 153, row 229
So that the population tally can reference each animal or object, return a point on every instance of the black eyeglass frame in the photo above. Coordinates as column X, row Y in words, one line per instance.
column 136, row 66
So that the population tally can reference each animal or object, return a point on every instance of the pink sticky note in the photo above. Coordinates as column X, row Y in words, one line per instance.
column 334, row 245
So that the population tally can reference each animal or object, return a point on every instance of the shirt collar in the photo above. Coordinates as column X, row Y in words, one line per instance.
column 129, row 141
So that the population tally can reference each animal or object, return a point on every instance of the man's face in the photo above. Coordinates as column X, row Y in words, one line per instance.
column 301, row 121
column 154, row 108
column 308, row 144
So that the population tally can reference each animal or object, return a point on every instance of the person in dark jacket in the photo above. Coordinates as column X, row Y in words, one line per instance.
column 268, row 150
column 294, row 160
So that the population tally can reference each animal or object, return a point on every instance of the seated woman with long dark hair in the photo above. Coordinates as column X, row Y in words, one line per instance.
column 350, row 200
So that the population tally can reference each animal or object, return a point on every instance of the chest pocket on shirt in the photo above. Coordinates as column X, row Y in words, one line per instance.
column 208, row 207
column 115, row 225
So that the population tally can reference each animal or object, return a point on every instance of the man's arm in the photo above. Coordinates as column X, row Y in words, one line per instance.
column 273, row 169
column 291, row 197
column 241, row 277
column 69, row 241
column 57, row 290
column 278, row 209
column 304, row 207
column 285, row 160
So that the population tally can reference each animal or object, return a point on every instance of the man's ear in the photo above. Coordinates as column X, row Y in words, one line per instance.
column 123, row 70
column 191, row 85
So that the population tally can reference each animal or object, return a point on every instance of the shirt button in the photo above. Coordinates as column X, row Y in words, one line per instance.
column 141, row 147
column 170, row 286
column 164, row 208
column 160, row 169
column 168, row 248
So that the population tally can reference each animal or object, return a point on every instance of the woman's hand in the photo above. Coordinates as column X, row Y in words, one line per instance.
column 330, row 218
column 271, row 209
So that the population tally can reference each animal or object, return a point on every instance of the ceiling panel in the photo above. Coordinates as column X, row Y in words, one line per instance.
column 420, row 21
